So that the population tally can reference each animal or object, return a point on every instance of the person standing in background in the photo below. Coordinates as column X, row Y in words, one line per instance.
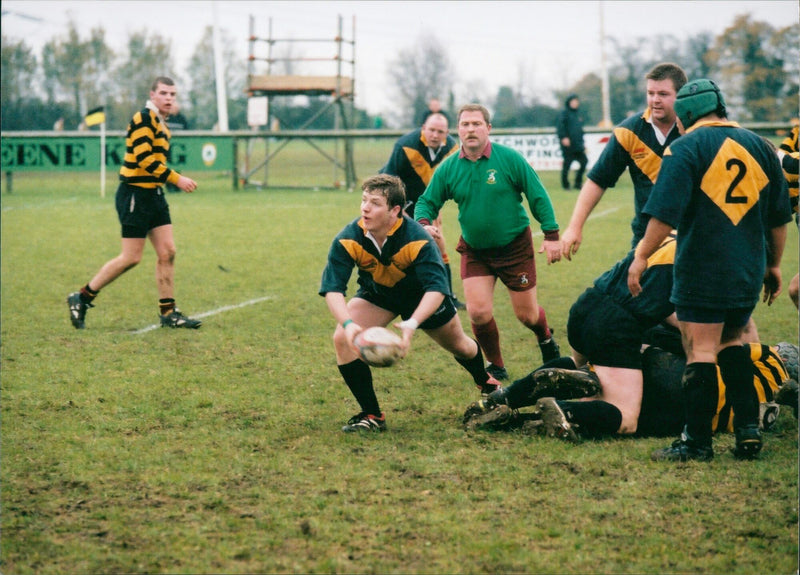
column 488, row 183
column 434, row 107
column 413, row 160
column 569, row 128
column 636, row 145
column 143, row 210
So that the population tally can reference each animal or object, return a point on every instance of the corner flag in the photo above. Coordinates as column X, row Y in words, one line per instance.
column 93, row 118
column 96, row 116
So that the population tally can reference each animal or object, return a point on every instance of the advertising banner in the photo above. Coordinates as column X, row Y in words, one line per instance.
column 543, row 151
column 31, row 153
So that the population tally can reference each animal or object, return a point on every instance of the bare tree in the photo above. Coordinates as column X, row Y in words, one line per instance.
column 64, row 67
column 19, row 67
column 202, row 95
column 147, row 57
column 699, row 56
column 418, row 74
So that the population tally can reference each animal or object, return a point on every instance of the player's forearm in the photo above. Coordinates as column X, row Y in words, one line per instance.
column 776, row 241
column 588, row 198
column 425, row 210
column 428, row 305
column 656, row 232
column 337, row 306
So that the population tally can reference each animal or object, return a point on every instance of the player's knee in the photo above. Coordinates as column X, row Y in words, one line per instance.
column 167, row 254
column 479, row 314
column 465, row 347
column 339, row 337
column 130, row 260
column 528, row 317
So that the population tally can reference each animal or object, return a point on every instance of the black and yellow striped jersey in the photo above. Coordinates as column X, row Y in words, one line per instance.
column 769, row 373
column 146, row 150
column 791, row 166
column 664, row 403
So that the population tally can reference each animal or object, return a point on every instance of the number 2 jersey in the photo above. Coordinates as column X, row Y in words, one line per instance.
column 722, row 187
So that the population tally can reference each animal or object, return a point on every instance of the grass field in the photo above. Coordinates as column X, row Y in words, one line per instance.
column 127, row 449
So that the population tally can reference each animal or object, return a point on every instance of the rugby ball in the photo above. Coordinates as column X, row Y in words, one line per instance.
column 378, row 347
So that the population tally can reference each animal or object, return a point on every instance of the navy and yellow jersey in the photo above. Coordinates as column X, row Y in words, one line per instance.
column 403, row 270
column 652, row 305
column 722, row 188
column 791, row 167
column 146, row 151
column 769, row 373
column 635, row 147
column 489, row 194
column 411, row 162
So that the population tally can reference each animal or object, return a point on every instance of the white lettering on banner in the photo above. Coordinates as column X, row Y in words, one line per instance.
column 543, row 151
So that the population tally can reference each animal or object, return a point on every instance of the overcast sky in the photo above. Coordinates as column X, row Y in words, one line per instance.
column 552, row 43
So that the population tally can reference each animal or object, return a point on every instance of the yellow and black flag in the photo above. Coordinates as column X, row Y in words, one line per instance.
column 95, row 117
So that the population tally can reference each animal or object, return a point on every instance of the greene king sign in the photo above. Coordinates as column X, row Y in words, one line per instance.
column 30, row 153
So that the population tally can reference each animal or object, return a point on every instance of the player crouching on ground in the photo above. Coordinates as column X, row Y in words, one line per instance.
column 400, row 272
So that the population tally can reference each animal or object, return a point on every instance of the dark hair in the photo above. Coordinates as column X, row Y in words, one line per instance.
column 390, row 187
column 474, row 108
column 166, row 80
column 668, row 71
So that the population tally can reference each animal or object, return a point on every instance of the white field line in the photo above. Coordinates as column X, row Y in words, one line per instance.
column 210, row 313
column 591, row 217
column 267, row 298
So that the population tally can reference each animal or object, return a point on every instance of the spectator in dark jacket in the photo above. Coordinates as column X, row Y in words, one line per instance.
column 569, row 127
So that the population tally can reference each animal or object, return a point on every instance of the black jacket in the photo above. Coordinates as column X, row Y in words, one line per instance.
column 570, row 125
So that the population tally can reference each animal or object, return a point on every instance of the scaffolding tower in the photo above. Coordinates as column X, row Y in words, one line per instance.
column 338, row 88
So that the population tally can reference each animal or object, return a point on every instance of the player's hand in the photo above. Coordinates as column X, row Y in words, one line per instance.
column 570, row 242
column 350, row 332
column 553, row 250
column 407, row 328
column 772, row 284
column 434, row 232
column 188, row 185
column 635, row 271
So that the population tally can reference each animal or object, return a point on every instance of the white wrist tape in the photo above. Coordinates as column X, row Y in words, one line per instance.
column 410, row 323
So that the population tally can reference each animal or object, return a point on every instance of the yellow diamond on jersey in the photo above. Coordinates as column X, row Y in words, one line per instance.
column 734, row 180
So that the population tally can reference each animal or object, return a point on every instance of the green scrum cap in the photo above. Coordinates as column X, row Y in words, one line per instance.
column 696, row 99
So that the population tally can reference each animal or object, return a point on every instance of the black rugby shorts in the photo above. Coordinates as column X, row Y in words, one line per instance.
column 141, row 209
column 605, row 332
column 405, row 309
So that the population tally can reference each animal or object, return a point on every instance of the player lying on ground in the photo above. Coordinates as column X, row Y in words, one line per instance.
column 561, row 397
column 606, row 327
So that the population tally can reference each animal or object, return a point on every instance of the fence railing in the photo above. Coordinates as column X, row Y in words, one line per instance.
column 234, row 152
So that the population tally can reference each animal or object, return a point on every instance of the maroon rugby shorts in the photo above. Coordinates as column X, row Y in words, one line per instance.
column 513, row 264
